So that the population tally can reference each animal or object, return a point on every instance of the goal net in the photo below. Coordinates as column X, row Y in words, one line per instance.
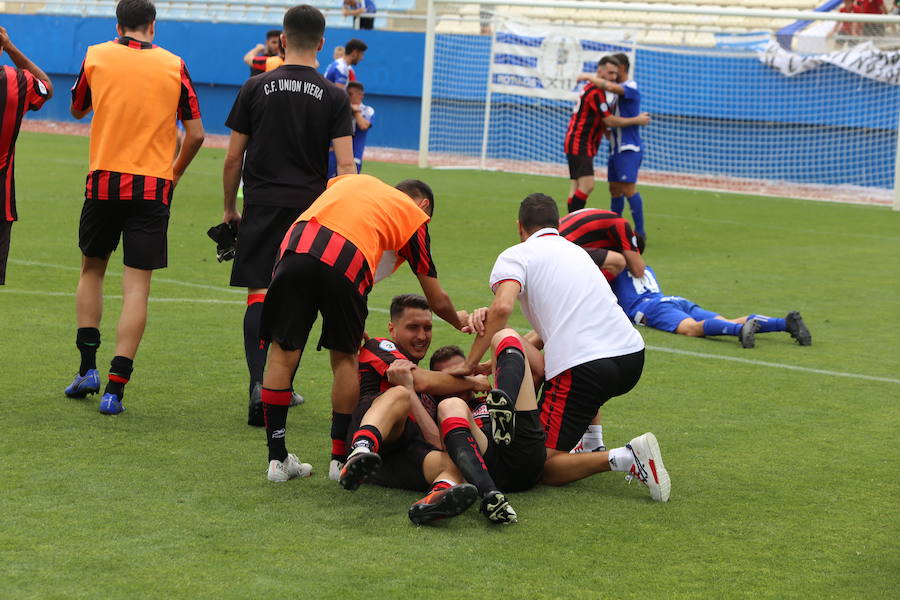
column 745, row 115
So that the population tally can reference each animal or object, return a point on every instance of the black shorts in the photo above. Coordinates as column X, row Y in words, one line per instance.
column 570, row 400
column 517, row 467
column 142, row 225
column 402, row 459
column 580, row 166
column 302, row 287
column 5, row 235
column 259, row 237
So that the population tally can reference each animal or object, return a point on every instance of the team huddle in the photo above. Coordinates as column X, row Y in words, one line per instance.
column 514, row 410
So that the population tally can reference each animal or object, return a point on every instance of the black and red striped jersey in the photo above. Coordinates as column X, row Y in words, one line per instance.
column 20, row 91
column 586, row 125
column 333, row 249
column 595, row 228
column 375, row 357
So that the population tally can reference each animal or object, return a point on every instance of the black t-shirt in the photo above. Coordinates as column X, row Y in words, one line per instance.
column 291, row 115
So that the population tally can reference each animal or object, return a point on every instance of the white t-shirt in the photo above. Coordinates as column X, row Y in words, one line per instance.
column 567, row 301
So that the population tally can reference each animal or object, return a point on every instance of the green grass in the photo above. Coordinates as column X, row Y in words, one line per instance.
column 784, row 481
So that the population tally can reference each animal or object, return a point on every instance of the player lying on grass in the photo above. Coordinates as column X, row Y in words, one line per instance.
column 644, row 303
column 591, row 351
column 395, row 441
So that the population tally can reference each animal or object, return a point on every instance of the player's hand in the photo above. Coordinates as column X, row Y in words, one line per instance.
column 4, row 38
column 643, row 119
column 400, row 371
column 232, row 216
column 484, row 368
column 463, row 317
column 482, row 383
column 476, row 320
column 462, row 370
column 260, row 48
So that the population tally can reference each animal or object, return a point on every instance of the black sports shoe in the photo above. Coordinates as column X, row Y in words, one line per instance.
column 496, row 508
column 797, row 328
column 502, row 411
column 748, row 333
column 444, row 503
column 255, row 417
column 361, row 463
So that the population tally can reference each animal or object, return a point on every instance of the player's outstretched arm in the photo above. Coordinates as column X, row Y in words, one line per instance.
column 231, row 175
column 438, row 383
column 614, row 121
column 253, row 53
column 499, row 311
column 440, row 302
column 603, row 84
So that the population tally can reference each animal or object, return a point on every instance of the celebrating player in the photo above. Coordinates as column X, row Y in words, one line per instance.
column 626, row 151
column 340, row 72
column 266, row 57
column 130, row 159
column 355, row 234
column 282, row 123
column 644, row 303
column 363, row 116
column 591, row 351
column 24, row 87
column 587, row 125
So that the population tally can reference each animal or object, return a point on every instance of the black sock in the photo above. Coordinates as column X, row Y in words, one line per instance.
column 463, row 449
column 120, row 369
column 340, row 426
column 577, row 201
column 254, row 349
column 510, row 370
column 87, row 340
column 368, row 436
column 275, row 410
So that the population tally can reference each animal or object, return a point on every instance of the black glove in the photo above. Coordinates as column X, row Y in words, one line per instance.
column 225, row 237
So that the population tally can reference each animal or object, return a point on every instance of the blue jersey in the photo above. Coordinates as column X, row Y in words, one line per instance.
column 359, row 136
column 339, row 72
column 624, row 139
column 632, row 293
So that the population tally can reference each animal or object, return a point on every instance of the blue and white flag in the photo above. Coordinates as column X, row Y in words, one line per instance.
column 545, row 61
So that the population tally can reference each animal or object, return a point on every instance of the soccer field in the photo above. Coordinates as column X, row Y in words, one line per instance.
column 783, row 458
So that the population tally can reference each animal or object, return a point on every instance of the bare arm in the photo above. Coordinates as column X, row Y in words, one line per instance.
column 353, row 12
column 614, row 121
column 603, row 84
column 498, row 316
column 23, row 62
column 441, row 303
column 256, row 51
column 343, row 155
column 614, row 263
column 438, row 383
column 193, row 139
column 401, row 372
column 231, row 175
column 635, row 262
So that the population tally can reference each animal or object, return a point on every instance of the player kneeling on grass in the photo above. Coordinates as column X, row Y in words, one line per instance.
column 591, row 351
column 644, row 303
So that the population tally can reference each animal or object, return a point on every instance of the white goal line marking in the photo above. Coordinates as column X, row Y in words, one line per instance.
column 760, row 363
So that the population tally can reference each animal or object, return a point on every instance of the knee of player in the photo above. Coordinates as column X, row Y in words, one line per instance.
column 586, row 185
column 690, row 328
column 452, row 407
column 503, row 334
column 397, row 397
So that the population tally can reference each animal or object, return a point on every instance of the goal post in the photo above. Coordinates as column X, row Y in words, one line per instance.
column 743, row 114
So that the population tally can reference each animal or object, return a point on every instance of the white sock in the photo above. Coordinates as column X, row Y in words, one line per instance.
column 620, row 459
column 593, row 437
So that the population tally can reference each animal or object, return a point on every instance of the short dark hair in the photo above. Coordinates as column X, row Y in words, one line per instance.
column 273, row 33
column 538, row 211
column 355, row 85
column 404, row 301
column 641, row 242
column 622, row 58
column 135, row 14
column 417, row 190
column 304, row 26
column 354, row 45
column 444, row 353
column 608, row 60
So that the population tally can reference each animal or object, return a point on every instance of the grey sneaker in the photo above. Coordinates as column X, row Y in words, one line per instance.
column 748, row 333
column 797, row 328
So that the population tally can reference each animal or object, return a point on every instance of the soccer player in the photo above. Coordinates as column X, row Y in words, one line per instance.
column 340, row 72
column 626, row 151
column 130, row 185
column 23, row 87
column 592, row 352
column 643, row 301
column 587, row 125
column 363, row 117
column 282, row 123
column 268, row 57
column 358, row 232
column 607, row 238
column 395, row 440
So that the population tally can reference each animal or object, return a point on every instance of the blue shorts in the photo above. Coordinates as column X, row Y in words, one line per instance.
column 667, row 312
column 624, row 166
column 332, row 165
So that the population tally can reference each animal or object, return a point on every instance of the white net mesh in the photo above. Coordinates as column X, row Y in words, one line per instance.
column 722, row 118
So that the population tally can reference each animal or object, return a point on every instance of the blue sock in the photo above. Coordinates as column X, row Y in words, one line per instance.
column 768, row 324
column 617, row 204
column 720, row 327
column 636, row 203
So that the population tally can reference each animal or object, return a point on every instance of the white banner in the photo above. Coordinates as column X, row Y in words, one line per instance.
column 863, row 59
column 545, row 61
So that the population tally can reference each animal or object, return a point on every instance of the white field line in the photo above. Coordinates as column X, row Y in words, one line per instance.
column 378, row 309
